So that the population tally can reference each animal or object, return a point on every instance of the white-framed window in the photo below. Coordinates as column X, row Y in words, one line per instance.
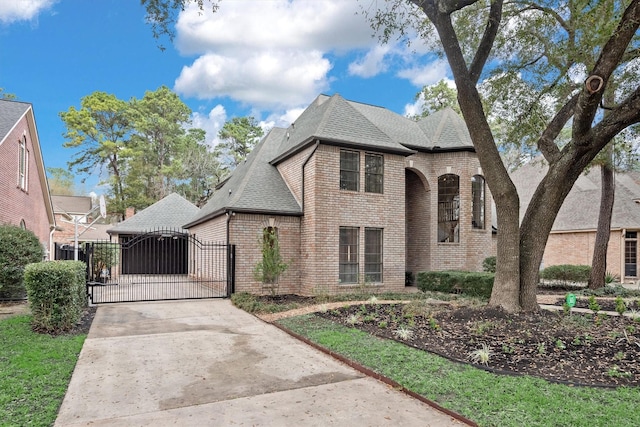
column 23, row 165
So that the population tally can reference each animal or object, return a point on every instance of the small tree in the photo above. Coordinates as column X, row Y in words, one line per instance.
column 18, row 247
column 272, row 265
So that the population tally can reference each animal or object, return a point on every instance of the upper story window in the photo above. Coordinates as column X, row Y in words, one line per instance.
column 23, row 164
column 477, row 198
column 373, row 173
column 449, row 208
column 349, row 170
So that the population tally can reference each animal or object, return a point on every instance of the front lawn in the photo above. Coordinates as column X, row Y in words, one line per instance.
column 36, row 370
column 488, row 399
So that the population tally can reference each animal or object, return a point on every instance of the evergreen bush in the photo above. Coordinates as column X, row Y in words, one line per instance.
column 57, row 294
column 461, row 282
column 18, row 247
column 567, row 273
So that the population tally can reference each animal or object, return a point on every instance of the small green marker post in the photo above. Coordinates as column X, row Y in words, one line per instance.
column 571, row 301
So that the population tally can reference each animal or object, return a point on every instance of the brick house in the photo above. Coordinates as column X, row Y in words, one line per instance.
column 357, row 195
column 573, row 234
column 24, row 191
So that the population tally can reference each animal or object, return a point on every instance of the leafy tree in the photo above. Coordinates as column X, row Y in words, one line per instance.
column 436, row 97
column 239, row 135
column 100, row 129
column 159, row 122
column 499, row 30
column 60, row 182
column 7, row 96
column 271, row 266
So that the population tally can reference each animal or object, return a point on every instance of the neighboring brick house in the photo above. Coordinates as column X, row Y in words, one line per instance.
column 68, row 209
column 24, row 191
column 357, row 195
column 573, row 234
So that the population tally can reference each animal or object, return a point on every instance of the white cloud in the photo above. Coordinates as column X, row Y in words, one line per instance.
column 22, row 10
column 373, row 63
column 269, row 55
column 297, row 24
column 211, row 123
column 269, row 79
column 426, row 75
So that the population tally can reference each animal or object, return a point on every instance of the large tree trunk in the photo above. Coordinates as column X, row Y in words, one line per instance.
column 599, row 262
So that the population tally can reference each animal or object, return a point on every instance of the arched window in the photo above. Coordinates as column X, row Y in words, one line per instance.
column 449, row 208
column 477, row 198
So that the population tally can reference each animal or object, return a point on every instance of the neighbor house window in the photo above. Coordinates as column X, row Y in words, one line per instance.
column 448, row 208
column 631, row 254
column 373, row 173
column 373, row 254
column 477, row 197
column 348, row 255
column 23, row 163
column 349, row 170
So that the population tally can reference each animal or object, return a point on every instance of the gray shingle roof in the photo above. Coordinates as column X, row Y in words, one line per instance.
column 581, row 207
column 10, row 114
column 447, row 130
column 172, row 212
column 255, row 185
column 336, row 120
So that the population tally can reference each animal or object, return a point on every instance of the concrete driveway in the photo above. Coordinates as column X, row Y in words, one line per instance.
column 207, row 363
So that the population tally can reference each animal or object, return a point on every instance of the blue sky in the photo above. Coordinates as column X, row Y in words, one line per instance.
column 268, row 59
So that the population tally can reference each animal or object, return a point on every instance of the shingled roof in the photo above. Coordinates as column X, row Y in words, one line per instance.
column 172, row 212
column 580, row 209
column 256, row 186
column 10, row 114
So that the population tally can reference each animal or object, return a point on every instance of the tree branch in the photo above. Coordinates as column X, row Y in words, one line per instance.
column 488, row 38
column 612, row 53
column 546, row 142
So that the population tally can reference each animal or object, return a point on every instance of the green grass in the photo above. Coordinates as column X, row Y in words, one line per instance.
column 488, row 399
column 35, row 372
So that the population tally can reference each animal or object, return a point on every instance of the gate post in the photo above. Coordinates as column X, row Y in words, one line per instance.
column 231, row 269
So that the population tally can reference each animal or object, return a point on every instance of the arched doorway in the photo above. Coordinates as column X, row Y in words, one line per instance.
column 417, row 223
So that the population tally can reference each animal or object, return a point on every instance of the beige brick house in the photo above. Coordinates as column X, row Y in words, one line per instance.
column 573, row 234
column 358, row 195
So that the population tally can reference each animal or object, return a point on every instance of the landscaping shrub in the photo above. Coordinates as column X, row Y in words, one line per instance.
column 489, row 264
column 18, row 247
column 567, row 273
column 468, row 283
column 57, row 294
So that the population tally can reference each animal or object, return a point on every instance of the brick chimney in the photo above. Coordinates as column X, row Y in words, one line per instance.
column 129, row 213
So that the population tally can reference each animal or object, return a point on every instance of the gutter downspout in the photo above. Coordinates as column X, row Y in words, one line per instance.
column 230, row 280
column 303, row 166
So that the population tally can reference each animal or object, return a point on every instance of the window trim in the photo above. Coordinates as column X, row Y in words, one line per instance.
column 352, row 256
column 353, row 173
column 448, row 211
column 379, row 255
column 23, row 164
column 368, row 174
column 478, row 204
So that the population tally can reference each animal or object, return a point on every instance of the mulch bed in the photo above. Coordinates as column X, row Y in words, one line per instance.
column 579, row 349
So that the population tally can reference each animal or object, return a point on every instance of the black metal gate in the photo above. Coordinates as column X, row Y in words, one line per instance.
column 158, row 265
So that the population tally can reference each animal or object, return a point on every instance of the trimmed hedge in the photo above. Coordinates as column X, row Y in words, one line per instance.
column 459, row 282
column 489, row 264
column 57, row 294
column 567, row 273
column 18, row 247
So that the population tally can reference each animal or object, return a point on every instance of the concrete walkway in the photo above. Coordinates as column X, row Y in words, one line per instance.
column 207, row 363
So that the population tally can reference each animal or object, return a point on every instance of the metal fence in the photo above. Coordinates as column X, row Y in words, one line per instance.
column 158, row 265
